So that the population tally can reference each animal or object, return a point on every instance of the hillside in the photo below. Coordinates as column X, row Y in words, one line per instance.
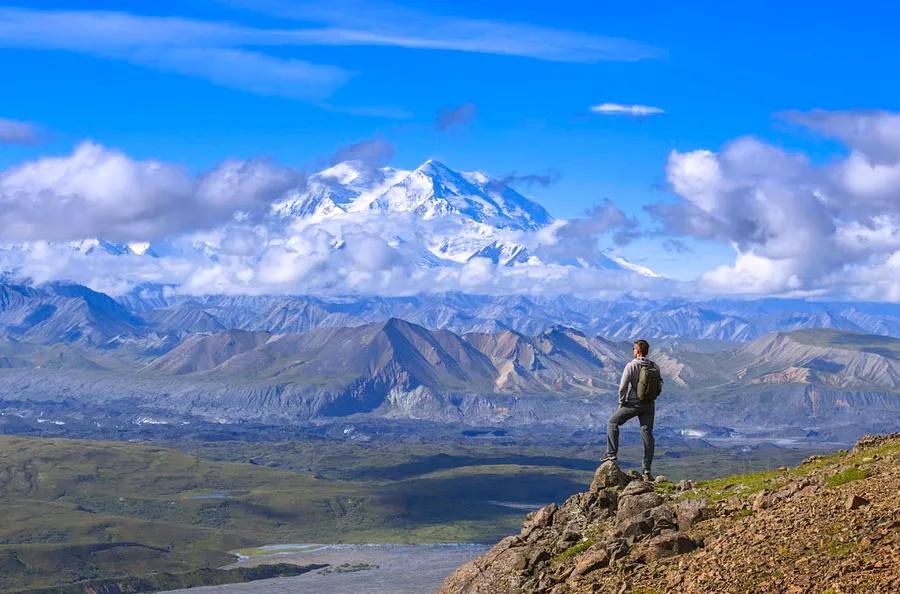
column 829, row 525
column 76, row 509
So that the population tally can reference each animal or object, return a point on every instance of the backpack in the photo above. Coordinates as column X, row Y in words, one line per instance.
column 649, row 383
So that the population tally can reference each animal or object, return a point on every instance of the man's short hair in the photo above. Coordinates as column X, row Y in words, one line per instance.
column 643, row 346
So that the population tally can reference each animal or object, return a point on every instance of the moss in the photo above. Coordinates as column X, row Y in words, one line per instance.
column 846, row 476
column 665, row 487
column 572, row 551
column 839, row 549
column 740, row 484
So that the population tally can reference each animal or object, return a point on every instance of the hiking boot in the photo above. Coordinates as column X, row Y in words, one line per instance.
column 608, row 458
column 647, row 476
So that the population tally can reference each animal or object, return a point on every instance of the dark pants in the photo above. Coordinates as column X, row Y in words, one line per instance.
column 644, row 413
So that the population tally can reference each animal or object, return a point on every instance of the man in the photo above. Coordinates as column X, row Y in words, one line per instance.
column 631, row 406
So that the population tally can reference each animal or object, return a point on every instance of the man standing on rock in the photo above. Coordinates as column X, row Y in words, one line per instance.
column 641, row 384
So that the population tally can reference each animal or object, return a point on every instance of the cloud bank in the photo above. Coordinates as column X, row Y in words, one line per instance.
column 100, row 192
column 797, row 227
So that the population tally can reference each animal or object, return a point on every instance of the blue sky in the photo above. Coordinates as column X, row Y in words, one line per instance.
column 719, row 71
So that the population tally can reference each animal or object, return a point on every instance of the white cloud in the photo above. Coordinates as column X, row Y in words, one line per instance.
column 96, row 191
column 633, row 110
column 797, row 228
column 16, row 132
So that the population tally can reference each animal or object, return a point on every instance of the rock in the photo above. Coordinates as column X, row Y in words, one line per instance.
column 571, row 537
column 537, row 558
column 808, row 490
column 632, row 507
column 855, row 502
column 668, row 545
column 636, row 488
column 609, row 475
column 761, row 500
column 539, row 519
column 685, row 485
column 663, row 517
column 689, row 512
column 661, row 479
column 596, row 557
column 633, row 531
column 869, row 441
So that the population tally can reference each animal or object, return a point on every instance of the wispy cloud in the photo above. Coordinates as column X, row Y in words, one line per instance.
column 624, row 109
column 216, row 52
column 373, row 152
column 16, row 132
column 459, row 115
column 239, row 56
column 370, row 22
column 548, row 178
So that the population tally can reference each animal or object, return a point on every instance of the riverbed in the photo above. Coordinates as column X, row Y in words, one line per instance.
column 354, row 569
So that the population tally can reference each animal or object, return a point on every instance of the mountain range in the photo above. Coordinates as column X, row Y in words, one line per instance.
column 320, row 361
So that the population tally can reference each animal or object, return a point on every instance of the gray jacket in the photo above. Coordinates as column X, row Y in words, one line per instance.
column 630, row 375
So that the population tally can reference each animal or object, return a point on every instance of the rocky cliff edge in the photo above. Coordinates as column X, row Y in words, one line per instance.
column 832, row 524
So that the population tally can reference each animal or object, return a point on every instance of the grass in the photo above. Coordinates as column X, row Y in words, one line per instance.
column 846, row 476
column 66, row 501
column 741, row 484
column 572, row 551
column 854, row 468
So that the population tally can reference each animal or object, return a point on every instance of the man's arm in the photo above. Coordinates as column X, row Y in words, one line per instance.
column 624, row 383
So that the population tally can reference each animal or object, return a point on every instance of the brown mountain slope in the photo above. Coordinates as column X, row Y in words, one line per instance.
column 831, row 525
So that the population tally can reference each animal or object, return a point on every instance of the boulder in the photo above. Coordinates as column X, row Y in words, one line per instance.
column 539, row 519
column 636, row 529
column 630, row 508
column 609, row 475
column 636, row 488
column 596, row 557
column 689, row 512
column 663, row 517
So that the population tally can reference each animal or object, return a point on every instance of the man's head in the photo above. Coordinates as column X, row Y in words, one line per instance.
column 641, row 348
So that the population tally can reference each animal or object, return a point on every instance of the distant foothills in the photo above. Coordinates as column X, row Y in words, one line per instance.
column 784, row 366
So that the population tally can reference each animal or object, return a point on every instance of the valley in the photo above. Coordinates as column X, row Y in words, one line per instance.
column 78, row 509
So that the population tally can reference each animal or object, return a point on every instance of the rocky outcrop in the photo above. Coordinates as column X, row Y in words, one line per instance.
column 831, row 524
column 619, row 521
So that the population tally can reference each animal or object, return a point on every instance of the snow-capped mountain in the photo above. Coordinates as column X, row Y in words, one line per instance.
column 433, row 190
column 430, row 191
column 462, row 215
column 356, row 229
